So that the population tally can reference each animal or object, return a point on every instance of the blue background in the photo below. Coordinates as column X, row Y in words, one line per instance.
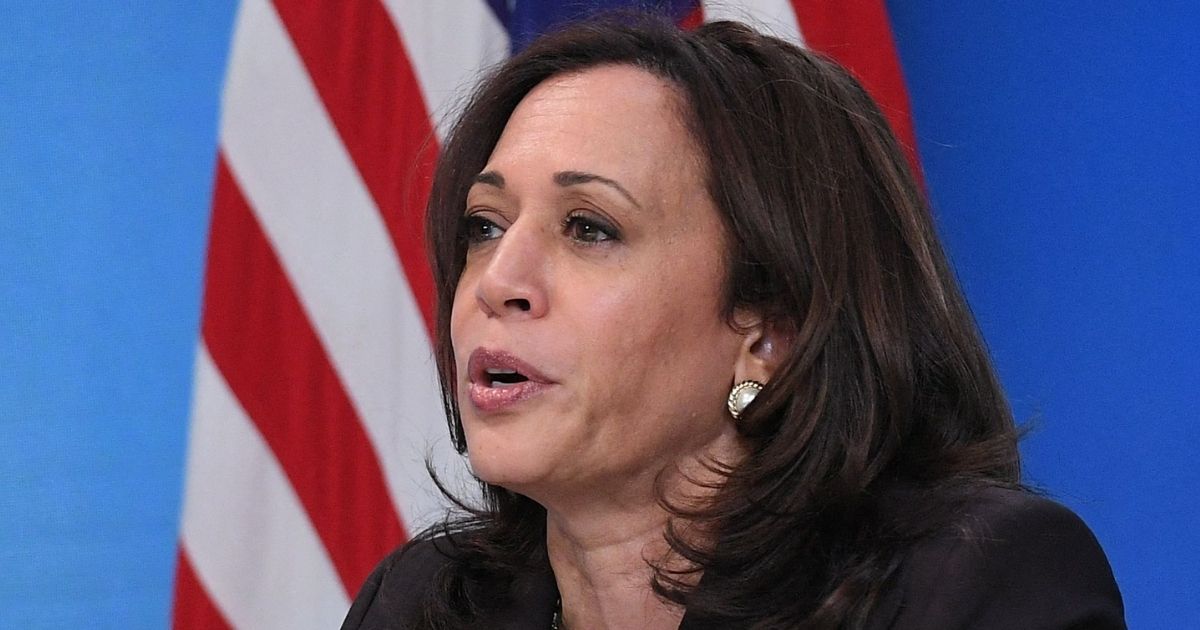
column 1059, row 142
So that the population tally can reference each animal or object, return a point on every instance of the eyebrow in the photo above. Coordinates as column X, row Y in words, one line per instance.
column 490, row 178
column 574, row 178
column 564, row 178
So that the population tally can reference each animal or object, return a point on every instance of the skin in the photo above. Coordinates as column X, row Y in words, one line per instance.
column 612, row 289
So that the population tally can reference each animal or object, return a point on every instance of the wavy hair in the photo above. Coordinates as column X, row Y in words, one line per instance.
column 888, row 393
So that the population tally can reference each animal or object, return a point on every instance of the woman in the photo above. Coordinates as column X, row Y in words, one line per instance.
column 706, row 356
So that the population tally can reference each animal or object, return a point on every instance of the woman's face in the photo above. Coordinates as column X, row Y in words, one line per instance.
column 595, row 273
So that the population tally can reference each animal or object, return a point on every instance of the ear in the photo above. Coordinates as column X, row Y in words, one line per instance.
column 765, row 346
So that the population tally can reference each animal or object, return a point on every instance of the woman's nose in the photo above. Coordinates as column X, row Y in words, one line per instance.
column 513, row 282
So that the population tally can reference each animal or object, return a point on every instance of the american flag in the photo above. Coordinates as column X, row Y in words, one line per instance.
column 315, row 400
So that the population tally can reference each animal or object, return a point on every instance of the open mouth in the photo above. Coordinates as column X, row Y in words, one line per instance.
column 500, row 377
column 499, row 380
column 498, row 369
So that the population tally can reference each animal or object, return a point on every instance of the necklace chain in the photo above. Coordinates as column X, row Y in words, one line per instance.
column 556, row 622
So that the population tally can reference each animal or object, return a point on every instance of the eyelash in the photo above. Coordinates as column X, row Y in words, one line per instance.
column 577, row 219
column 598, row 231
column 473, row 224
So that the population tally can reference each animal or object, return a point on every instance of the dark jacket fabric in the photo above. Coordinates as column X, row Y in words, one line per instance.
column 1014, row 561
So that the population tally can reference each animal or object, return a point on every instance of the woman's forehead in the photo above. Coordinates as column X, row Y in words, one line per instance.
column 617, row 121
column 619, row 107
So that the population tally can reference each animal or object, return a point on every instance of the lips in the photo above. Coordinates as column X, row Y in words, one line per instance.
column 499, row 380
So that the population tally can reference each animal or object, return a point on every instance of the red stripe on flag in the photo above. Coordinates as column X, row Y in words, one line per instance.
column 693, row 19
column 264, row 345
column 859, row 36
column 358, row 64
column 193, row 608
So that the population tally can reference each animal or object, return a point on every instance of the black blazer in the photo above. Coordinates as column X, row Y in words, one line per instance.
column 1030, row 564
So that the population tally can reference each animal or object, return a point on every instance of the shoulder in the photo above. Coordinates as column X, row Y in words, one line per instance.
column 402, row 590
column 393, row 595
column 1008, row 559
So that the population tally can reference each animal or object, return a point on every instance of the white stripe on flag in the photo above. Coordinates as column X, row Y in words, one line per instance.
column 449, row 43
column 332, row 242
column 776, row 17
column 249, row 540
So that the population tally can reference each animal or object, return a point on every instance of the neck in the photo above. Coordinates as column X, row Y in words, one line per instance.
column 602, row 544
column 602, row 567
column 603, row 551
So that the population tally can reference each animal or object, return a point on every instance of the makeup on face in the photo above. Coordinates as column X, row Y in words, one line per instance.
column 499, row 380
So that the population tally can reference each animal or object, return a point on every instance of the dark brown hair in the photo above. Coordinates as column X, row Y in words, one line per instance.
column 888, row 392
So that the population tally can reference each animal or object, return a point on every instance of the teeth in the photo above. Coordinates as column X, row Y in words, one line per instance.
column 503, row 377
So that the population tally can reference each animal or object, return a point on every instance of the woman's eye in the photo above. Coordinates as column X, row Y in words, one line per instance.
column 480, row 229
column 588, row 230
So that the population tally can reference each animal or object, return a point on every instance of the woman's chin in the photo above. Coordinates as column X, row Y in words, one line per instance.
column 512, row 452
column 515, row 471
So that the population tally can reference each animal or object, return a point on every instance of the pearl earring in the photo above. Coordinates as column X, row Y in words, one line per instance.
column 742, row 395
